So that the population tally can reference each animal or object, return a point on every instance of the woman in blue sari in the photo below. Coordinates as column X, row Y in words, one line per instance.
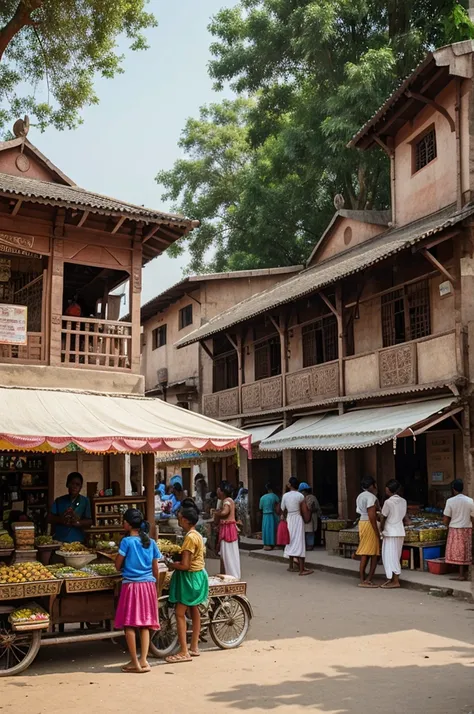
column 270, row 507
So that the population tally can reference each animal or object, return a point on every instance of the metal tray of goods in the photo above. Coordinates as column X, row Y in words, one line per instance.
column 92, row 584
column 35, row 588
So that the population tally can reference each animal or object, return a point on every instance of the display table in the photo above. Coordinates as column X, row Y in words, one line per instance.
column 420, row 546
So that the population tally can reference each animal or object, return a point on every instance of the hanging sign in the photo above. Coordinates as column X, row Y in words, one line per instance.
column 13, row 324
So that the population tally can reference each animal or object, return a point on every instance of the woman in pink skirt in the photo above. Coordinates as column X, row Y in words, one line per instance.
column 458, row 516
column 138, row 603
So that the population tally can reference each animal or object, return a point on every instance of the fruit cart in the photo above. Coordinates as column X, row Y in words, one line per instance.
column 65, row 607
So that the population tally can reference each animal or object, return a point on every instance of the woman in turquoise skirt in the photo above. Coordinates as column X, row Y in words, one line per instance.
column 189, row 585
column 270, row 507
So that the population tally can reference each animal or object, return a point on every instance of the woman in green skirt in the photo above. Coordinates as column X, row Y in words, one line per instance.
column 189, row 585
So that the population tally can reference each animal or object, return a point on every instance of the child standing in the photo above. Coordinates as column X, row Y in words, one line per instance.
column 138, row 603
column 189, row 585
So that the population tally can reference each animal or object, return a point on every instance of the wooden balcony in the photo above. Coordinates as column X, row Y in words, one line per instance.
column 428, row 360
column 96, row 344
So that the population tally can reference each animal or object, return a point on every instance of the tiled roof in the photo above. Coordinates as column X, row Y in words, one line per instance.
column 193, row 282
column 328, row 271
column 72, row 196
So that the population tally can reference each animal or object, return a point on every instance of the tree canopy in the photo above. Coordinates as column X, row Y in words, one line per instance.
column 315, row 71
column 51, row 50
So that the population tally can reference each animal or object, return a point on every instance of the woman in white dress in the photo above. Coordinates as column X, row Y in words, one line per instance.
column 296, row 512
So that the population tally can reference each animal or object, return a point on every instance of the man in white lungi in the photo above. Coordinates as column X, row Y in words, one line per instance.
column 392, row 522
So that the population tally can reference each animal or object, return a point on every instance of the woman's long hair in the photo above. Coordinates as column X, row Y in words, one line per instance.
column 135, row 519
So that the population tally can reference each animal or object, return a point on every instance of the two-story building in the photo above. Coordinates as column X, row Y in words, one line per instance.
column 363, row 362
column 177, row 376
column 71, row 392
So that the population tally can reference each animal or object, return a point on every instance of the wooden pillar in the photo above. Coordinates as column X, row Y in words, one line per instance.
column 149, row 483
column 466, row 449
column 309, row 467
column 281, row 328
column 341, row 342
column 342, row 503
column 56, row 305
column 135, row 297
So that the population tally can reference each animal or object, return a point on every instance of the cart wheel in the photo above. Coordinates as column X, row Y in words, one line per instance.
column 17, row 649
column 230, row 623
column 165, row 640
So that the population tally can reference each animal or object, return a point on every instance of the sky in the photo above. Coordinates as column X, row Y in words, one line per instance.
column 134, row 131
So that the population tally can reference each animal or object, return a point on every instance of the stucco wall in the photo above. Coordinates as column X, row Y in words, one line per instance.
column 362, row 374
column 436, row 359
column 434, row 186
column 8, row 166
column 36, row 376
column 345, row 234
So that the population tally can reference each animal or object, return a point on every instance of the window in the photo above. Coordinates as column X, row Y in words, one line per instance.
column 320, row 341
column 185, row 316
column 225, row 372
column 424, row 149
column 159, row 337
column 406, row 314
column 267, row 358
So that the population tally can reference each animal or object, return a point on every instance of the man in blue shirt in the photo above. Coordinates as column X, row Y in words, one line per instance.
column 71, row 514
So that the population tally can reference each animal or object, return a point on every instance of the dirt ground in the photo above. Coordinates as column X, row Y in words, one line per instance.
column 317, row 643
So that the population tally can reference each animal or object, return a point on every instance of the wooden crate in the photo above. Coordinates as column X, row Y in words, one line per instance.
column 93, row 584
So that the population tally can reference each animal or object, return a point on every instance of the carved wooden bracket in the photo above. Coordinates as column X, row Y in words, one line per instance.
column 440, row 268
column 432, row 103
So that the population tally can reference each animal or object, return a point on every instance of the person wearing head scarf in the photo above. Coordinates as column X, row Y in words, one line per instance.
column 314, row 508
column 296, row 512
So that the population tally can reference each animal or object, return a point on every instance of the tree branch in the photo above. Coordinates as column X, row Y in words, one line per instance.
column 21, row 19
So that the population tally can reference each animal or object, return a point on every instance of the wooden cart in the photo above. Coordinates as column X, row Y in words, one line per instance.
column 83, row 609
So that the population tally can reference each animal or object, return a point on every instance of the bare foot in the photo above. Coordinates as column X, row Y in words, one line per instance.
column 194, row 653
column 306, row 572
column 145, row 666
column 390, row 586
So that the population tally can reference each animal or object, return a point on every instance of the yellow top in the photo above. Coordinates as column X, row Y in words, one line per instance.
column 195, row 544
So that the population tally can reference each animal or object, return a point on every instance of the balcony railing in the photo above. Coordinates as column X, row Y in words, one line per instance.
column 98, row 344
column 31, row 353
column 428, row 360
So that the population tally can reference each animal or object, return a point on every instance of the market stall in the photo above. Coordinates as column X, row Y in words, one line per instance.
column 75, row 600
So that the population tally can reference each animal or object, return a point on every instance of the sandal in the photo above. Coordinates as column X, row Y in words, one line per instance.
column 178, row 659
column 194, row 653
column 368, row 585
column 133, row 670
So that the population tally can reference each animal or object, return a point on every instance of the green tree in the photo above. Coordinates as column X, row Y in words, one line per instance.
column 317, row 70
column 58, row 46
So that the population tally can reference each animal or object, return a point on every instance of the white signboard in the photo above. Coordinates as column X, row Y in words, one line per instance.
column 13, row 324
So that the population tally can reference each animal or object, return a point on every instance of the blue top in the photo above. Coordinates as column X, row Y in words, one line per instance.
column 82, row 508
column 137, row 566
column 268, row 503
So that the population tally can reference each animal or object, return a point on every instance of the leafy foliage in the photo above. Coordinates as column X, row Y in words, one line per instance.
column 56, row 47
column 316, row 70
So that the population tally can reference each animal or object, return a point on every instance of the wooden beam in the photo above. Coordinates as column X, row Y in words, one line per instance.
column 149, row 482
column 232, row 342
column 390, row 153
column 436, row 241
column 151, row 233
column 432, row 103
column 402, row 109
column 16, row 207
column 119, row 224
column 329, row 304
column 439, row 419
column 430, row 258
column 169, row 233
column 206, row 349
column 275, row 324
column 83, row 219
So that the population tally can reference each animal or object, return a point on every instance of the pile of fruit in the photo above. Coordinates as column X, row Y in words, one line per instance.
column 6, row 542
column 45, row 540
column 166, row 547
column 75, row 547
column 107, row 546
column 24, row 573
column 28, row 614
column 65, row 571
column 102, row 569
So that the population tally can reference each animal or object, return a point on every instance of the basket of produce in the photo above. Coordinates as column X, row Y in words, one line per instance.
column 6, row 545
column 109, row 547
column 167, row 547
column 433, row 534
column 76, row 554
column 45, row 546
column 102, row 570
column 29, row 617
column 412, row 535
